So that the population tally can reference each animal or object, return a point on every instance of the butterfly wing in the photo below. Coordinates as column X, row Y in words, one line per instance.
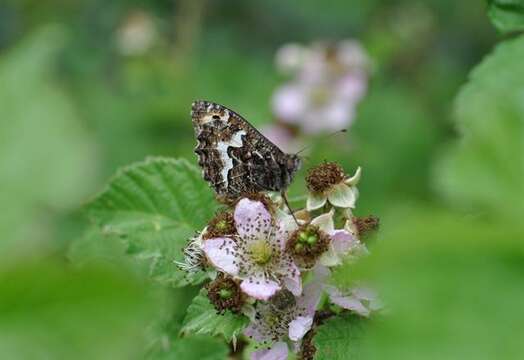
column 235, row 157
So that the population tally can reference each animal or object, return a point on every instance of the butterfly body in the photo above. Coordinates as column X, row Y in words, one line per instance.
column 235, row 157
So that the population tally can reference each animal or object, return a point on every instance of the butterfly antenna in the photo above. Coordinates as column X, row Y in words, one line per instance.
column 289, row 207
column 324, row 138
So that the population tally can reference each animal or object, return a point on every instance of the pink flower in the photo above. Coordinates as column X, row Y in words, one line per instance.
column 256, row 255
column 273, row 323
column 328, row 83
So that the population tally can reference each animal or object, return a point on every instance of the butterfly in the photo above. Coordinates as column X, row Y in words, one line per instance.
column 235, row 158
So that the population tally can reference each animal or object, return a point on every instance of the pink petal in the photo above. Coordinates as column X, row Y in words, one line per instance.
column 346, row 302
column 299, row 327
column 370, row 296
column 252, row 219
column 338, row 115
column 313, row 290
column 221, row 253
column 333, row 116
column 253, row 331
column 352, row 86
column 342, row 241
column 285, row 227
column 278, row 351
column 293, row 282
column 364, row 293
column 259, row 287
column 289, row 103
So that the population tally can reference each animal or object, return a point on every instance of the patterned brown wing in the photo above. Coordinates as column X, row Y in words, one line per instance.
column 235, row 157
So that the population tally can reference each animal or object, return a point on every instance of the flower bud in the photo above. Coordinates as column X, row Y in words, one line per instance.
column 224, row 293
column 307, row 244
column 324, row 176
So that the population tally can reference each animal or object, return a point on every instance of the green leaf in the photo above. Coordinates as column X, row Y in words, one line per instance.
column 194, row 348
column 202, row 318
column 156, row 206
column 47, row 157
column 339, row 338
column 449, row 284
column 49, row 311
column 96, row 247
column 507, row 15
column 485, row 170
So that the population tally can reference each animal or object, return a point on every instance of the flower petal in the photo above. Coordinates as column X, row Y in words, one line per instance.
column 315, row 201
column 299, row 327
column 278, row 351
column 352, row 181
column 289, row 103
column 352, row 86
column 289, row 57
column 252, row 219
column 325, row 222
column 363, row 293
column 286, row 225
column 293, row 282
column 313, row 290
column 253, row 332
column 330, row 258
column 342, row 241
column 348, row 302
column 259, row 287
column 222, row 255
column 342, row 196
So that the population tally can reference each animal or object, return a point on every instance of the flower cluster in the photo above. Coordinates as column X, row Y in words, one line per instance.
column 274, row 266
column 327, row 81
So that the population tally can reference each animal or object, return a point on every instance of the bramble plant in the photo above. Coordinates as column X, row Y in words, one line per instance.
column 264, row 274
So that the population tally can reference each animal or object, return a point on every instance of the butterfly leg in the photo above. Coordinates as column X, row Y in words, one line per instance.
column 284, row 196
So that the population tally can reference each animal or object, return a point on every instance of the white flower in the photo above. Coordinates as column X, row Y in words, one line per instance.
column 342, row 241
column 338, row 190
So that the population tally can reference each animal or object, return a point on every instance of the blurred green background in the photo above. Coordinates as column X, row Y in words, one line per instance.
column 88, row 86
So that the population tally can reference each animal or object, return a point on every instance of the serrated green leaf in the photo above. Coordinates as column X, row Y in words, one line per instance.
column 486, row 169
column 507, row 15
column 50, row 311
column 339, row 338
column 156, row 206
column 202, row 318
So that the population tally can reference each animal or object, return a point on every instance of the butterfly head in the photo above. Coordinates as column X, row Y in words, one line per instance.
column 293, row 164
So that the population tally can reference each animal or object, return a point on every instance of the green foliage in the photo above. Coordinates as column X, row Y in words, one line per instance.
column 451, row 286
column 49, row 311
column 507, row 15
column 46, row 155
column 339, row 338
column 486, row 169
column 195, row 348
column 404, row 137
column 155, row 206
column 202, row 318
